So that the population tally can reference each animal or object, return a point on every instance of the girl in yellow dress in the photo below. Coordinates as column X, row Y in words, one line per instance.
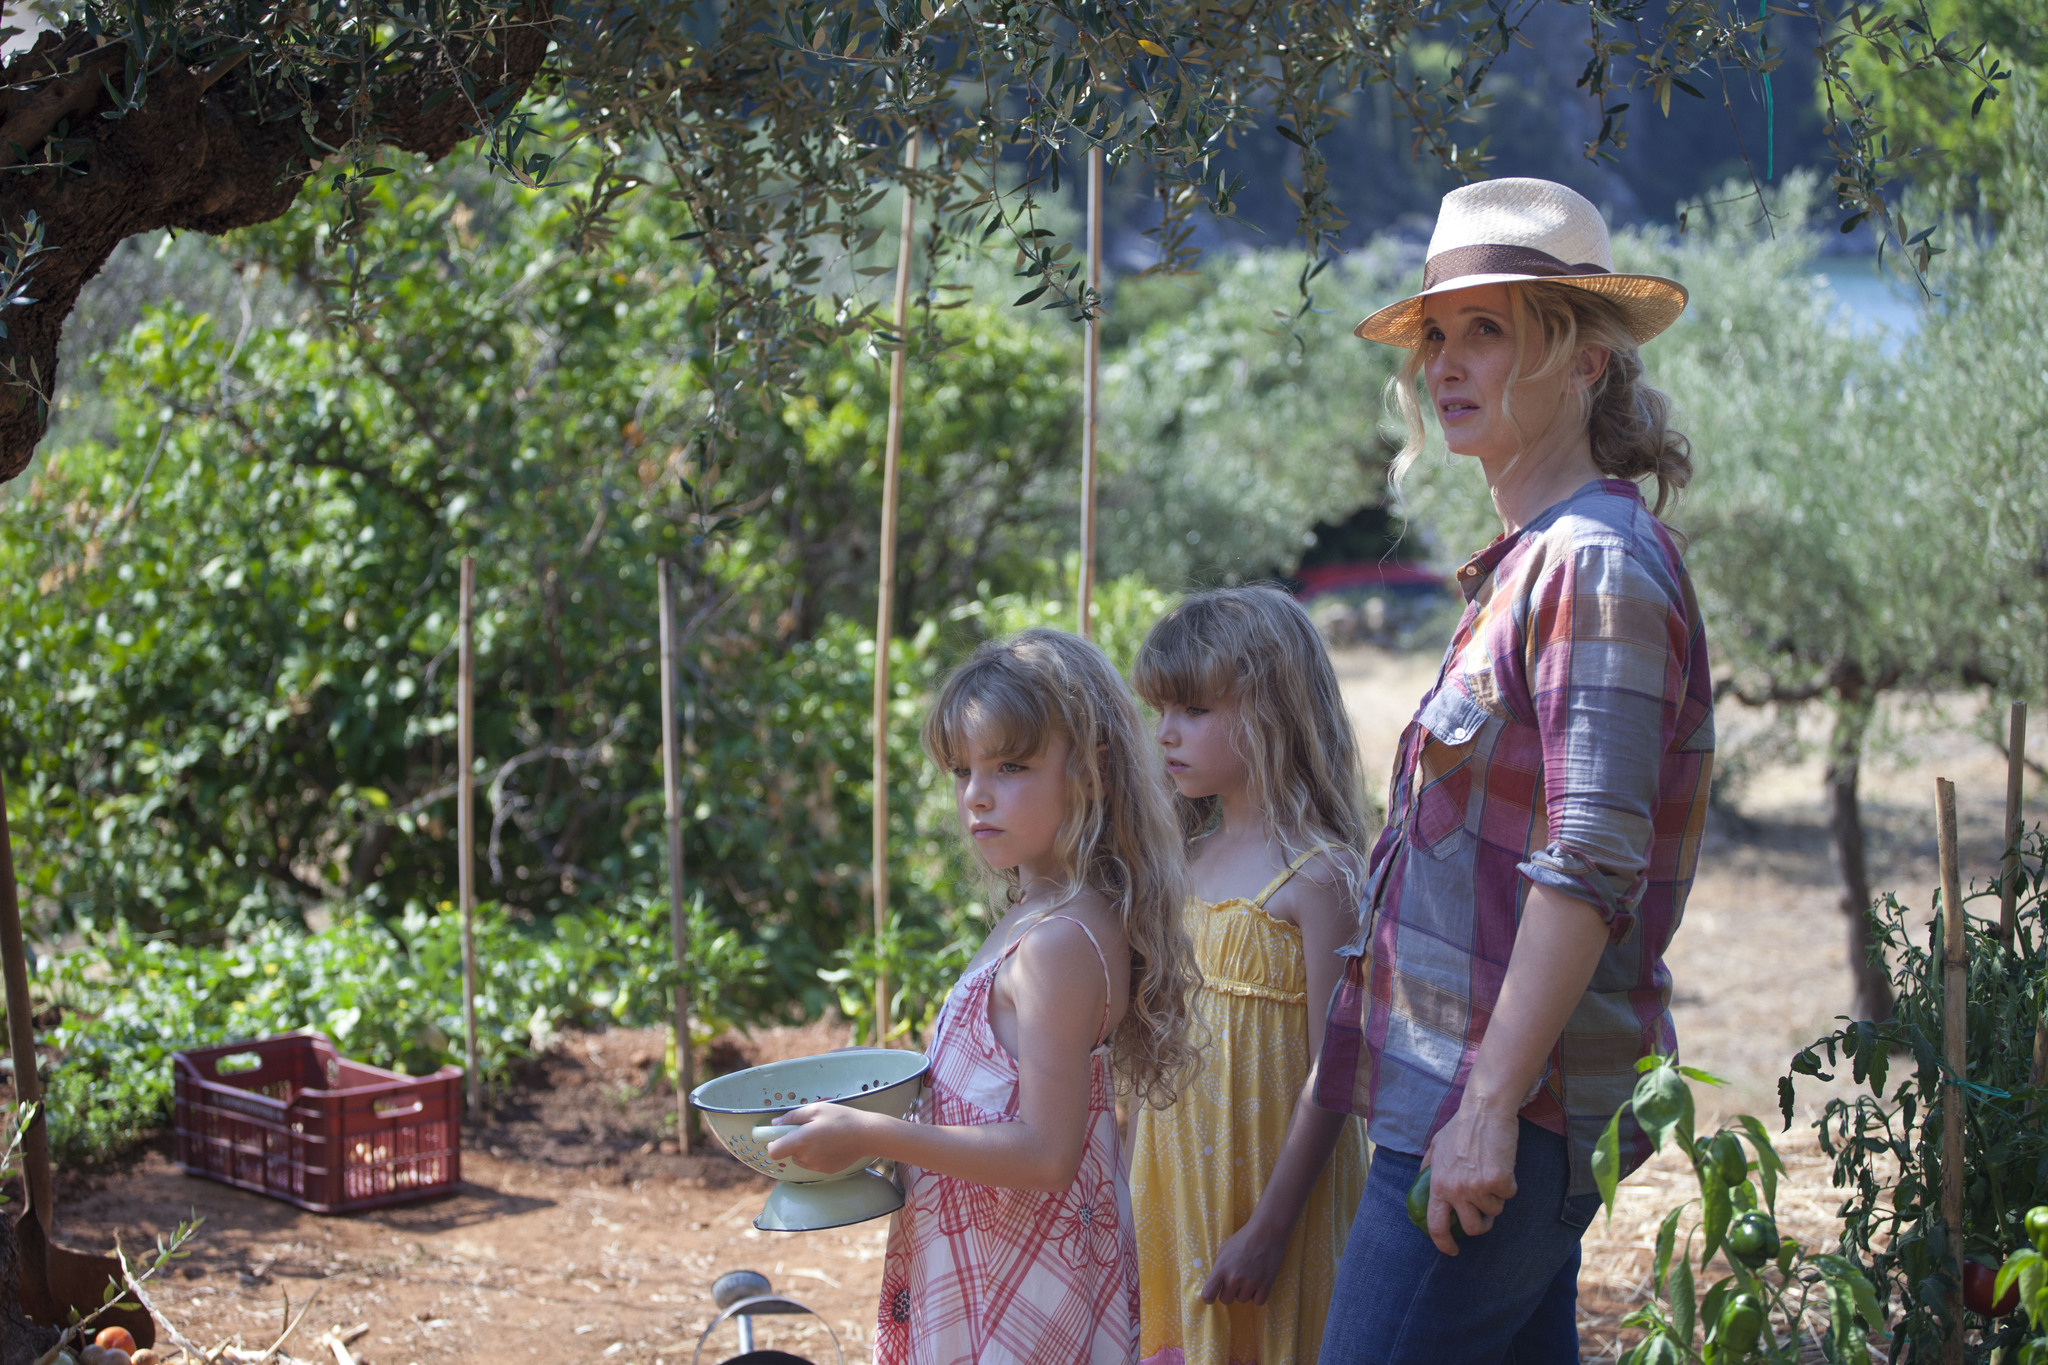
column 1243, row 1190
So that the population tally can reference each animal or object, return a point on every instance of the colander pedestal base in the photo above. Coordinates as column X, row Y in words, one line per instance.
column 829, row 1203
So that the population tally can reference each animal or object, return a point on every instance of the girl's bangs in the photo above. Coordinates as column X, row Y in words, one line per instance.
column 1183, row 664
column 984, row 706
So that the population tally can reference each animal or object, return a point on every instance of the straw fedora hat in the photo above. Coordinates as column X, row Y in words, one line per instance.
column 1502, row 231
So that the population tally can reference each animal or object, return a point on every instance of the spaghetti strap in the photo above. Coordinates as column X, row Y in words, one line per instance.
column 1287, row 876
column 1108, row 989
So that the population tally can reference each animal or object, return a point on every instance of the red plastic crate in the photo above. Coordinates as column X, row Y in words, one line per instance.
column 288, row 1116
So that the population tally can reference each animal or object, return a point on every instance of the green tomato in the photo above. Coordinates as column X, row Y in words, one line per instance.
column 1418, row 1208
column 2037, row 1227
column 1725, row 1151
column 1753, row 1239
column 1742, row 1324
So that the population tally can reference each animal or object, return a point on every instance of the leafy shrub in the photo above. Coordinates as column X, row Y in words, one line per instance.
column 387, row 992
column 232, row 692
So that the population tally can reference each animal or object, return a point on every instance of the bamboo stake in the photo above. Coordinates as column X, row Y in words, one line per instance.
column 885, row 598
column 1955, row 1003
column 21, row 1035
column 1091, row 397
column 465, row 829
column 2015, row 785
column 672, row 802
column 2040, row 1052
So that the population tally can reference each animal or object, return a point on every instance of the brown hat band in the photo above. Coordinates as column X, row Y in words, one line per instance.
column 1488, row 259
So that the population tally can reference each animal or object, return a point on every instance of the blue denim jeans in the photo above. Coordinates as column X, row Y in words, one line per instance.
column 1509, row 1296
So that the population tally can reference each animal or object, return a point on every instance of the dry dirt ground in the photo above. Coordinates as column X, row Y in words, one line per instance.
column 577, row 1238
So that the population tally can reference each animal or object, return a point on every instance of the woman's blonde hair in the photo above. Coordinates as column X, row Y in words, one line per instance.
column 1627, row 421
column 1256, row 647
column 1010, row 698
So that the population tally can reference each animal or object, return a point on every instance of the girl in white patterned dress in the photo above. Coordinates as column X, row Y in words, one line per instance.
column 1015, row 1243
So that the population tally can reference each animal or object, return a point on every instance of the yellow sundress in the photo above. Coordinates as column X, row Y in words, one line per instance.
column 1198, row 1168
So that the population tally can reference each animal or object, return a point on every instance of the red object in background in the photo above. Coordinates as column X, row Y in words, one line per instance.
column 1978, row 1281
column 1318, row 579
column 289, row 1117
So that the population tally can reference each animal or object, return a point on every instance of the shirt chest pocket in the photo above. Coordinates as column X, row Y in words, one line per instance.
column 1449, row 766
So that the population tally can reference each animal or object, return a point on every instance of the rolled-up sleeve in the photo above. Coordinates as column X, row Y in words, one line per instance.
column 1607, row 640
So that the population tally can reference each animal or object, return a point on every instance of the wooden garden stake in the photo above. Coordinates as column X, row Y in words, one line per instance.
column 21, row 1034
column 672, row 802
column 2015, row 785
column 1955, row 1004
column 465, row 828
column 1091, row 397
column 885, row 598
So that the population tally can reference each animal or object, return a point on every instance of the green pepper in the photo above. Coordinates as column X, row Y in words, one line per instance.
column 1725, row 1151
column 1418, row 1208
column 2037, row 1227
column 1742, row 1324
column 1753, row 1239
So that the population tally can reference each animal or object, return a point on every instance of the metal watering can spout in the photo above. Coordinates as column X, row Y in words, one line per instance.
column 744, row 1295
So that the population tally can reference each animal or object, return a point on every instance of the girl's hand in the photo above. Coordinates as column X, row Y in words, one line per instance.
column 1471, row 1162
column 832, row 1137
column 1246, row 1267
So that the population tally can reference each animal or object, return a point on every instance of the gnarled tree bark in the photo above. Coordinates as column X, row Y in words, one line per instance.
column 1855, row 702
column 211, row 148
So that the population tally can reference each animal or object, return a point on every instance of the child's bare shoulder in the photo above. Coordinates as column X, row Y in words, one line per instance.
column 1067, row 929
column 1326, row 888
column 1070, row 953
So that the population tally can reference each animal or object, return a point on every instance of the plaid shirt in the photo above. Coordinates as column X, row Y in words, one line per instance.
column 1568, row 741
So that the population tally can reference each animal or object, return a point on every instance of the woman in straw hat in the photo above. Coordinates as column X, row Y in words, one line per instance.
column 1544, row 820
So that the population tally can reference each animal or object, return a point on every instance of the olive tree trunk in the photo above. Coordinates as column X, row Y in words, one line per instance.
column 21, row 1341
column 1854, row 705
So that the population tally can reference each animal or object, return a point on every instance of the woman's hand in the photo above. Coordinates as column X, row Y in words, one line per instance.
column 831, row 1137
column 1471, row 1162
column 1246, row 1266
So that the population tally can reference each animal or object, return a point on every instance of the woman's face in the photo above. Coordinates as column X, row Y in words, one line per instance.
column 1468, row 352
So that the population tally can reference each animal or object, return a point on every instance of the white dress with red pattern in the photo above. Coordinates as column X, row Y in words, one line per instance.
column 979, row 1275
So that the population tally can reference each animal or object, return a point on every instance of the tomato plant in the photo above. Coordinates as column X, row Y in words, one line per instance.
column 1886, row 1139
column 1771, row 1299
column 2025, row 1276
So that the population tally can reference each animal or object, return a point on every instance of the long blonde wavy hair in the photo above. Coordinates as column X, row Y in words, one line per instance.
column 1628, row 423
column 1011, row 698
column 1256, row 647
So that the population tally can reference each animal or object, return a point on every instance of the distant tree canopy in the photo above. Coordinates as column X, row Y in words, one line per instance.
column 776, row 123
